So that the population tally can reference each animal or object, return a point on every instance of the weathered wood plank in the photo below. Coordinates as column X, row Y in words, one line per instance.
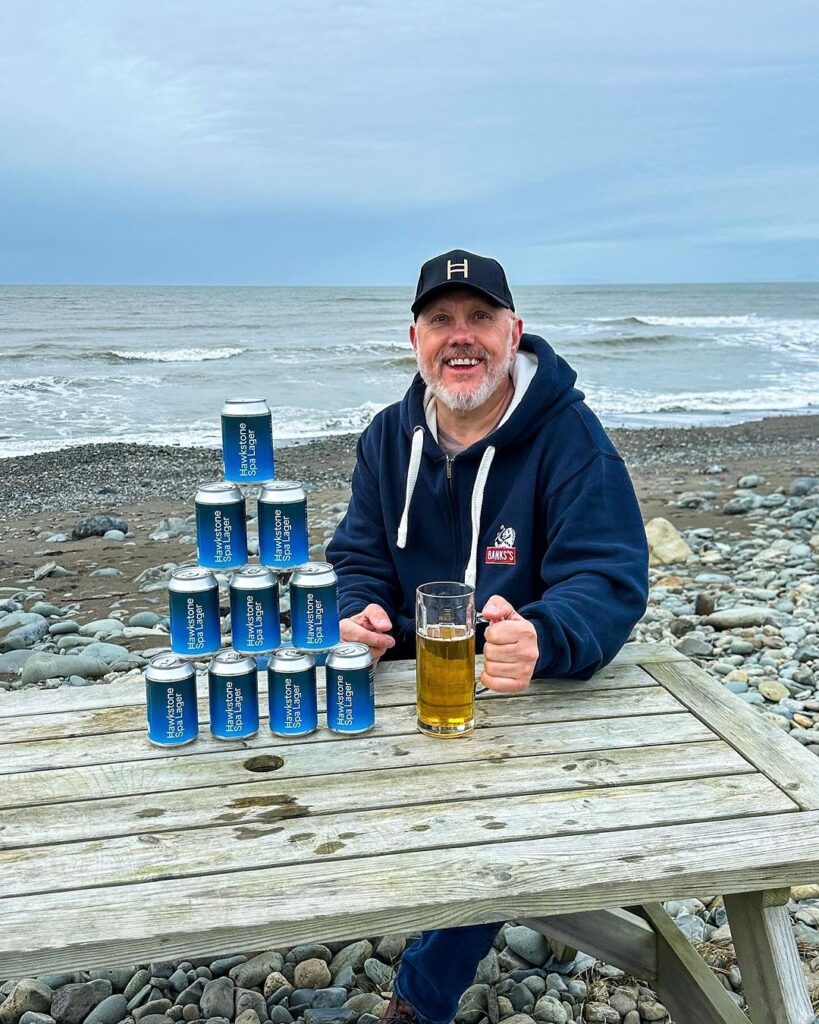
column 786, row 763
column 588, row 751
column 402, row 892
column 646, row 654
column 686, row 985
column 617, row 937
column 768, row 959
column 179, row 805
column 111, row 733
column 314, row 839
column 392, row 689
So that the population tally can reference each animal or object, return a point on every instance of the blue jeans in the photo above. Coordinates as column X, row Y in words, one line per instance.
column 440, row 966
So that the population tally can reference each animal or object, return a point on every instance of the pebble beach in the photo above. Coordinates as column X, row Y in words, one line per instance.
column 89, row 536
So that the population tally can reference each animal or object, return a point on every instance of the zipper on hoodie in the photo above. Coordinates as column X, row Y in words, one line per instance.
column 453, row 508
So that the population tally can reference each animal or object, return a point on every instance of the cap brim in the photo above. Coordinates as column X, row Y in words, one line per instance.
column 427, row 297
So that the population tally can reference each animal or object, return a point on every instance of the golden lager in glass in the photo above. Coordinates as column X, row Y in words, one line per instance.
column 445, row 659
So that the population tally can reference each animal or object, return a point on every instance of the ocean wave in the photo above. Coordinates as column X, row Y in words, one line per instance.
column 743, row 320
column 65, row 386
column 176, row 355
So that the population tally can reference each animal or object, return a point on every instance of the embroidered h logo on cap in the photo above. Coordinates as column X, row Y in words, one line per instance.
column 461, row 269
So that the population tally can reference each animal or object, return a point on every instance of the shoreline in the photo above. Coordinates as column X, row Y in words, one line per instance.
column 113, row 476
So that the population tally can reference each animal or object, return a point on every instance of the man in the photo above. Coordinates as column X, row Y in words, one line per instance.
column 491, row 470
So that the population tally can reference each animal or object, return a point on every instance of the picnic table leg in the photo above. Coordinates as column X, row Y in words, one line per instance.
column 768, row 958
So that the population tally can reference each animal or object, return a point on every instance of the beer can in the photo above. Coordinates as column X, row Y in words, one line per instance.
column 254, row 610
column 233, row 693
column 193, row 596
column 291, row 692
column 170, row 694
column 314, row 606
column 247, row 440
column 221, row 527
column 282, row 512
column 350, row 675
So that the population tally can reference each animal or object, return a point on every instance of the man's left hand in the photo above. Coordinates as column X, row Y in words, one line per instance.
column 510, row 651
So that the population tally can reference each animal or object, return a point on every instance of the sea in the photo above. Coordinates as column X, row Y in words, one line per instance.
column 152, row 365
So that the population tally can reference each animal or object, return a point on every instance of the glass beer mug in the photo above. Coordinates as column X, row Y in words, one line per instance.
column 445, row 658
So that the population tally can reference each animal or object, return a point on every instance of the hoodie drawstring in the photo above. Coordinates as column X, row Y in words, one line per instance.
column 476, row 504
column 412, row 479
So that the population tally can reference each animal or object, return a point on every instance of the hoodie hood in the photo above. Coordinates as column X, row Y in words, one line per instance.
column 550, row 390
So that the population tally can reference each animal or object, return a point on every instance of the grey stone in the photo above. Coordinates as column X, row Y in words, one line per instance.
column 352, row 955
column 650, row 1010
column 114, row 655
column 110, row 1011
column 313, row 951
column 472, row 1005
column 147, row 620
column 280, row 1015
column 11, row 663
column 30, row 1017
column 218, row 999
column 225, row 964
column 64, row 627
column 488, row 972
column 191, row 994
column 27, row 995
column 529, row 944
column 253, row 972
column 178, row 981
column 117, row 535
column 155, row 1006
column 325, row 997
column 330, row 1015
column 45, row 608
column 623, row 1001
column 517, row 1018
column 42, row 665
column 156, row 1018
column 365, row 1002
column 694, row 647
column 136, row 984
column 24, row 636
column 600, row 1013
column 72, row 641
column 58, row 980
column 106, row 571
column 802, row 485
column 379, row 974
column 73, row 1003
column 522, row 998
column 273, row 982
column 302, row 997
column 733, row 618
column 247, row 999
column 118, row 976
column 98, row 526
column 105, row 627
column 510, row 961
column 313, row 973
column 738, row 506
column 168, row 528
column 550, row 1011
column 248, row 1017
column 345, row 977
column 391, row 947
column 57, row 538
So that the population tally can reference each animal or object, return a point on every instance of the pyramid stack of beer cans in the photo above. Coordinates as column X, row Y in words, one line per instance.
column 253, row 593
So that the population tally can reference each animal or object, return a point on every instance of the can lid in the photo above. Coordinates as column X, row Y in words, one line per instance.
column 217, row 491
column 168, row 668
column 316, row 574
column 228, row 662
column 282, row 491
column 241, row 401
column 192, row 578
column 350, row 650
column 252, row 577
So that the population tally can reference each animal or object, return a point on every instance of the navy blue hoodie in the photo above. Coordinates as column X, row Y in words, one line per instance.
column 559, row 531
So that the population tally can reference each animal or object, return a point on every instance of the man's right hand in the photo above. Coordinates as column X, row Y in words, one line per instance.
column 369, row 627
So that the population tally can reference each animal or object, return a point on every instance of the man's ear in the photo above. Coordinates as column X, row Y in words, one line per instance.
column 413, row 336
column 517, row 331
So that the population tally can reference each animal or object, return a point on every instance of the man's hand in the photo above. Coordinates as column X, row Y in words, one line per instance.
column 510, row 652
column 369, row 627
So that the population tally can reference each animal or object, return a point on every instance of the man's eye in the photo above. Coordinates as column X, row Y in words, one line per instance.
column 439, row 318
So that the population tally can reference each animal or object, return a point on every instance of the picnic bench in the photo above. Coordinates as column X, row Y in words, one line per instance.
column 575, row 807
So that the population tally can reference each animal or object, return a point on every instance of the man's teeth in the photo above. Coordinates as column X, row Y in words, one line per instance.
column 462, row 362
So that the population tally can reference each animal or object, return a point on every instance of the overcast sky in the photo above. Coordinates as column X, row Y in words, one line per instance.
column 280, row 142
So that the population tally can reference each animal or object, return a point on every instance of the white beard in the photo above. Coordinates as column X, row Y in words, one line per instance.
column 468, row 401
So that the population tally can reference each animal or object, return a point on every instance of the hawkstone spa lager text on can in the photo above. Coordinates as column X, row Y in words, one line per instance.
column 314, row 606
column 170, row 693
column 193, row 597
column 291, row 692
column 254, row 610
column 350, row 676
column 282, row 510
column 247, row 440
column 233, row 694
column 221, row 526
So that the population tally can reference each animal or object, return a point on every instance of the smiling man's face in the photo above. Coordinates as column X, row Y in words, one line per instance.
column 465, row 346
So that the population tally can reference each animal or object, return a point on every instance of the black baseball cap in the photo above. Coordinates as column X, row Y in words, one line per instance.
column 462, row 269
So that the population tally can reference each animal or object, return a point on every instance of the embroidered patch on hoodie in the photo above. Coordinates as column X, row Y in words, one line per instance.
column 503, row 551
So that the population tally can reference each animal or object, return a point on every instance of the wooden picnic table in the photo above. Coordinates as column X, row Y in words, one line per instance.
column 576, row 806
